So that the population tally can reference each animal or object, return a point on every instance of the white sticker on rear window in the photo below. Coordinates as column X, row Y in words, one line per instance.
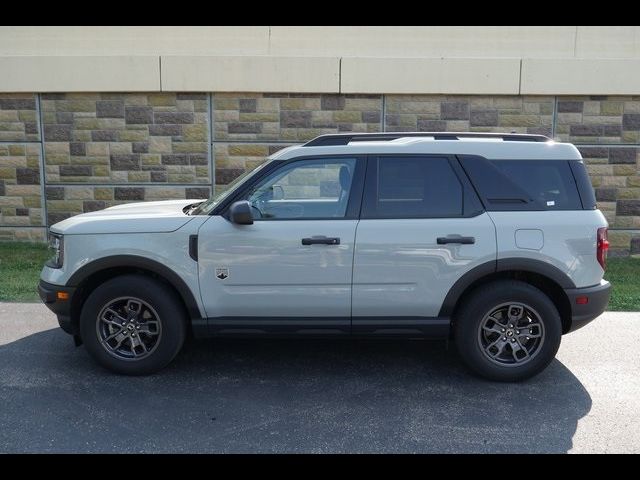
column 550, row 203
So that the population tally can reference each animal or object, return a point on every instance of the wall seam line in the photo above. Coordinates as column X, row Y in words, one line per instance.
column 160, row 71
column 42, row 163
column 608, row 145
column 128, row 184
column 554, row 117
column 15, row 227
column 339, row 75
column 520, row 78
column 211, row 146
column 266, row 142
column 383, row 113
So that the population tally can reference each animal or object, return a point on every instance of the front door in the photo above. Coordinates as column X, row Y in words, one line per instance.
column 291, row 270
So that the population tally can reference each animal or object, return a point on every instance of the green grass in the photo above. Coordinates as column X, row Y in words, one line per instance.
column 20, row 266
column 21, row 263
column 624, row 275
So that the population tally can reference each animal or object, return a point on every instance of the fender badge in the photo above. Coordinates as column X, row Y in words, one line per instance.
column 222, row 273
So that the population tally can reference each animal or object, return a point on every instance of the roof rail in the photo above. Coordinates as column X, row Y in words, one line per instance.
column 346, row 138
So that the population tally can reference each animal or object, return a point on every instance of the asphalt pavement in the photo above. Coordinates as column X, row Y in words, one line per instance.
column 315, row 396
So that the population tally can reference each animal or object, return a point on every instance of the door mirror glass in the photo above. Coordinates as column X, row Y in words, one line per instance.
column 240, row 213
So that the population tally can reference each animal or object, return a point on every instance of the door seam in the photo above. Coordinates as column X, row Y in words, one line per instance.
column 353, row 263
column 355, row 239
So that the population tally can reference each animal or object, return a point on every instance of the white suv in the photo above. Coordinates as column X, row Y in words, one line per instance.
column 493, row 240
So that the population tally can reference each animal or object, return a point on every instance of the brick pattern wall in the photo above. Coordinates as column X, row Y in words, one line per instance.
column 599, row 119
column 103, row 149
column 126, row 138
column 19, row 118
column 293, row 117
column 69, row 200
column 250, row 126
column 438, row 113
column 21, row 208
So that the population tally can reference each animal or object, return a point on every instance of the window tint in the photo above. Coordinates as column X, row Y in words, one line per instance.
column 522, row 185
column 316, row 188
column 407, row 187
column 549, row 183
column 587, row 195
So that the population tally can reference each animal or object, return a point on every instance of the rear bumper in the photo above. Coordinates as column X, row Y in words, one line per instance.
column 598, row 296
column 62, row 308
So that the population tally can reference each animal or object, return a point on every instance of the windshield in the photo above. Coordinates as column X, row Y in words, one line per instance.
column 207, row 206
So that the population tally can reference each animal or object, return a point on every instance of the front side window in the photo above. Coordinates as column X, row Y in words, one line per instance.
column 413, row 187
column 304, row 189
column 206, row 207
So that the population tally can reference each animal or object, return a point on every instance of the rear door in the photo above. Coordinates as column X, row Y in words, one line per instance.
column 422, row 228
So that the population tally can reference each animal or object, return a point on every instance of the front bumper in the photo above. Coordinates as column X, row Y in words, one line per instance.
column 598, row 298
column 62, row 308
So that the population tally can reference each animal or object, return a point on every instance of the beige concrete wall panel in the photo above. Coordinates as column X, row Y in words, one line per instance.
column 580, row 76
column 434, row 41
column 134, row 40
column 430, row 75
column 250, row 74
column 79, row 74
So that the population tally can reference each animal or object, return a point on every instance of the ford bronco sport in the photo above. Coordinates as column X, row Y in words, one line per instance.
column 492, row 240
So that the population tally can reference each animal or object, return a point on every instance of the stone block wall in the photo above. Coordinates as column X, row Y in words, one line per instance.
column 18, row 118
column 64, row 154
column 250, row 126
column 68, row 153
column 476, row 113
column 126, row 138
column 21, row 209
column 21, row 193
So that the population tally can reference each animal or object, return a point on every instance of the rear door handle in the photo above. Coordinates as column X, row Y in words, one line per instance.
column 456, row 239
column 321, row 240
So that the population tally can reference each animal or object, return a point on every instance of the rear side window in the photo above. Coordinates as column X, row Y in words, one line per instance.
column 585, row 189
column 524, row 184
column 412, row 187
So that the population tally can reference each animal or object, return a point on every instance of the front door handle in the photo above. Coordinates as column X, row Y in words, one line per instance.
column 321, row 240
column 456, row 239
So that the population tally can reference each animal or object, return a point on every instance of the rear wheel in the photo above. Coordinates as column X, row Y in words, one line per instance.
column 133, row 324
column 507, row 331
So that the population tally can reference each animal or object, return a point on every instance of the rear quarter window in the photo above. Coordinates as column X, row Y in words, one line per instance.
column 585, row 189
column 524, row 184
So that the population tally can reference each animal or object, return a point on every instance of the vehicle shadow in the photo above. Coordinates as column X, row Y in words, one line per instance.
column 280, row 396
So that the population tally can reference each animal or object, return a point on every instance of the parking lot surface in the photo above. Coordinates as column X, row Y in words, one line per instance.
column 315, row 396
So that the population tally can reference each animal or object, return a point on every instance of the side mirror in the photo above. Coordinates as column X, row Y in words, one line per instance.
column 240, row 213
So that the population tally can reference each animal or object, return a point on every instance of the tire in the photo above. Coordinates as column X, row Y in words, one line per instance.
column 153, row 336
column 526, row 351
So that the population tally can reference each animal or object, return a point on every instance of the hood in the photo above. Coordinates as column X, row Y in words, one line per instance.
column 142, row 217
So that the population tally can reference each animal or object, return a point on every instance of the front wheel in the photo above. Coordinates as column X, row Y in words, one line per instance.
column 507, row 331
column 133, row 324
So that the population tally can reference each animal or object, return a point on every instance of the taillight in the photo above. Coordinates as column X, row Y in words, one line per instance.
column 603, row 246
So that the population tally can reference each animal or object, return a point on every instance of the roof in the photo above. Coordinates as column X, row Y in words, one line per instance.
column 489, row 145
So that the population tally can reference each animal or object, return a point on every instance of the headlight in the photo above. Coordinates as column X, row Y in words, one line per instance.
column 56, row 247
